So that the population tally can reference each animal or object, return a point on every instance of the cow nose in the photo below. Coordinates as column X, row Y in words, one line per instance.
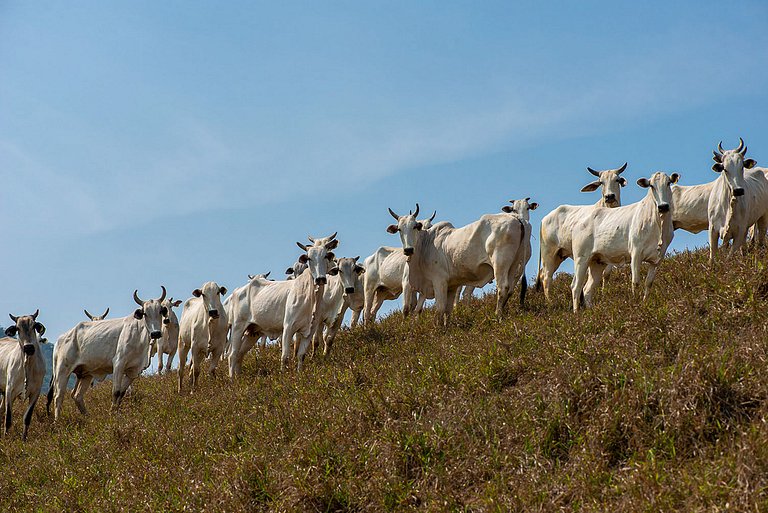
column 738, row 192
column 29, row 349
column 213, row 313
column 610, row 198
column 349, row 290
column 664, row 208
column 155, row 335
column 321, row 280
column 408, row 251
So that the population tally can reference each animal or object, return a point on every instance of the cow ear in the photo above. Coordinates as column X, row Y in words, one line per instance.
column 332, row 245
column 392, row 228
column 717, row 167
column 592, row 186
column 39, row 328
column 223, row 291
column 418, row 226
column 533, row 206
column 177, row 302
column 197, row 292
column 11, row 331
column 289, row 270
column 643, row 182
column 507, row 209
column 622, row 181
column 330, row 256
column 303, row 259
column 359, row 269
column 674, row 177
column 749, row 163
column 138, row 313
column 333, row 271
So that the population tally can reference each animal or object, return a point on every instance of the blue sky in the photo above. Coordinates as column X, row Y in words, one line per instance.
column 178, row 142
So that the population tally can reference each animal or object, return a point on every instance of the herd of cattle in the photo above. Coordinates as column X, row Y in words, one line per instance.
column 435, row 261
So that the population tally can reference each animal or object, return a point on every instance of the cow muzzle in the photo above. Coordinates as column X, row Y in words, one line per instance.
column 349, row 290
column 738, row 192
column 213, row 314
column 408, row 251
column 610, row 198
column 166, row 321
column 663, row 208
column 28, row 349
column 155, row 335
column 321, row 280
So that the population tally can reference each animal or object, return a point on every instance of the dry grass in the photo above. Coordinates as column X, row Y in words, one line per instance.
column 627, row 407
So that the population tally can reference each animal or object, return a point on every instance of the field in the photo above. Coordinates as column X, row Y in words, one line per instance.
column 631, row 406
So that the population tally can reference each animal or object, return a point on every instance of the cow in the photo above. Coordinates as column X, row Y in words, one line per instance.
column 636, row 233
column 738, row 200
column 555, row 238
column 386, row 277
column 22, row 367
column 522, row 208
column 343, row 291
column 169, row 342
column 444, row 258
column 203, row 331
column 93, row 349
column 97, row 317
column 295, row 270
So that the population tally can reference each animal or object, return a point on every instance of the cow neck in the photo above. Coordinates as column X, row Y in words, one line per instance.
column 726, row 189
column 663, row 223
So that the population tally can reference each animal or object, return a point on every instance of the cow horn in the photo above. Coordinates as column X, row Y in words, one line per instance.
column 357, row 258
column 744, row 151
column 333, row 236
column 311, row 239
column 302, row 246
column 13, row 317
column 720, row 147
column 267, row 275
column 596, row 173
column 416, row 212
column 433, row 216
column 34, row 315
column 716, row 156
column 87, row 314
column 162, row 296
column 622, row 168
column 137, row 298
column 741, row 146
column 251, row 276
column 397, row 217
column 106, row 312
column 527, row 199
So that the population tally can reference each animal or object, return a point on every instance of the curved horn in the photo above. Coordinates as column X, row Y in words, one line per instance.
column 267, row 275
column 433, row 216
column 596, row 173
column 741, row 146
column 622, row 168
column 744, row 151
column 720, row 147
column 356, row 258
column 162, row 296
column 311, row 239
column 251, row 276
column 34, row 315
column 106, row 312
column 391, row 212
column 87, row 314
column 302, row 246
column 137, row 298
column 332, row 236
column 416, row 212
column 13, row 317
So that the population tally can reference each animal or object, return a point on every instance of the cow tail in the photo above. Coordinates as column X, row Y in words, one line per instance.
column 523, row 279
column 49, row 396
column 537, row 285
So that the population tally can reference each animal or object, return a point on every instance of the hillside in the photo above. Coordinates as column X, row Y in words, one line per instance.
column 627, row 407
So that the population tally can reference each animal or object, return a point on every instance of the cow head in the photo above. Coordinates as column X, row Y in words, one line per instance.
column 731, row 164
column 610, row 184
column 317, row 257
column 152, row 312
column 408, row 226
column 660, row 189
column 349, row 272
column 169, row 305
column 97, row 317
column 260, row 276
column 521, row 208
column 211, row 294
column 28, row 331
column 296, row 269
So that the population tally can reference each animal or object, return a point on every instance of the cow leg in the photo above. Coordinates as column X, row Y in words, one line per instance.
column 303, row 346
column 160, row 360
column 117, row 382
column 419, row 300
column 649, row 280
column 714, row 237
column 577, row 283
column 127, row 378
column 215, row 357
column 331, row 335
column 355, row 318
column 169, row 360
column 410, row 300
column 288, row 333
column 61, row 376
column 594, row 279
column 441, row 303
column 28, row 416
column 183, row 349
column 8, row 413
column 263, row 342
column 198, row 355
column 550, row 264
column 78, row 394
column 378, row 300
column 236, row 352
column 739, row 241
column 635, row 268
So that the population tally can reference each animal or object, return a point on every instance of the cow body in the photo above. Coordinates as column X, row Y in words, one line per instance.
column 637, row 233
column 343, row 291
column 691, row 202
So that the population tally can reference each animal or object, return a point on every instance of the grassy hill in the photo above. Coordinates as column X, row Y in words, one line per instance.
column 630, row 406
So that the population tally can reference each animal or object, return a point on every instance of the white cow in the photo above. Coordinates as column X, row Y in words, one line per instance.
column 636, row 233
column 739, row 199
column 295, row 270
column 169, row 342
column 93, row 349
column 555, row 236
column 386, row 277
column 443, row 258
column 22, row 367
column 203, row 331
column 343, row 291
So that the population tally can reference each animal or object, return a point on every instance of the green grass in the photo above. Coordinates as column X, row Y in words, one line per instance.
column 630, row 406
